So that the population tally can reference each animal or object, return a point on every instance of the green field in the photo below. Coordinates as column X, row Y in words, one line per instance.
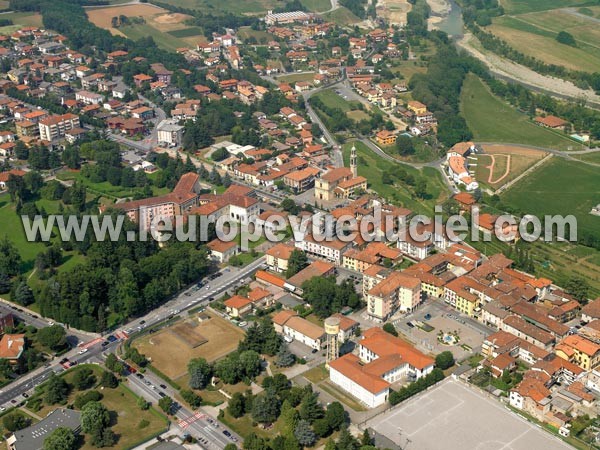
column 589, row 157
column 534, row 35
column 164, row 40
column 21, row 19
column 492, row 120
column 262, row 37
column 186, row 32
column 105, row 189
column 341, row 16
column 317, row 5
column 372, row 166
column 217, row 7
column 560, row 187
column 524, row 6
column 293, row 78
column 332, row 100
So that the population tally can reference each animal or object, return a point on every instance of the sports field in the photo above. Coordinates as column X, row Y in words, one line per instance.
column 171, row 349
column 438, row 420
column 500, row 164
column 492, row 120
column 559, row 187
column 534, row 34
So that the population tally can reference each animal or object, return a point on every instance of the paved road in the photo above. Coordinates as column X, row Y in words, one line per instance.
column 200, row 426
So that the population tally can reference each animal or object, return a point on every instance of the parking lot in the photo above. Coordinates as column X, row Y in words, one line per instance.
column 453, row 416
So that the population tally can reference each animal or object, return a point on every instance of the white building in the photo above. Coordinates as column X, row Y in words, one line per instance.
column 288, row 323
column 89, row 98
column 170, row 132
column 382, row 360
column 56, row 126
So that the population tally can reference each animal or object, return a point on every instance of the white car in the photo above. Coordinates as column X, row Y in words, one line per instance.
column 82, row 351
column 288, row 339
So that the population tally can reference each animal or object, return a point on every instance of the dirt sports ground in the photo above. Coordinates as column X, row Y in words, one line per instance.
column 500, row 164
column 171, row 349
column 394, row 11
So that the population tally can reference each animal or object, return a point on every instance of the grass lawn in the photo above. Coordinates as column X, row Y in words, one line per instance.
column 262, row 37
column 492, row 120
column 372, row 166
column 341, row 16
column 291, row 79
column 106, row 189
column 126, row 416
column 358, row 115
column 11, row 226
column 408, row 68
column 317, row 5
column 332, row 100
column 317, row 374
column 537, row 38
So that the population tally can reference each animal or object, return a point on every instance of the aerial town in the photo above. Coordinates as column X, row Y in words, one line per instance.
column 340, row 224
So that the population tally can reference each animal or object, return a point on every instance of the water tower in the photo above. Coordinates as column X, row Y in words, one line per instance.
column 332, row 330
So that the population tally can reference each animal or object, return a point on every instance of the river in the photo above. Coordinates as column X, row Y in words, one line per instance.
column 447, row 16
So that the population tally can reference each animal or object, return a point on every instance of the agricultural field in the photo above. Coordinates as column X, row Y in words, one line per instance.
column 525, row 6
column 534, row 34
column 372, row 166
column 593, row 158
column 560, row 187
column 341, row 16
column 217, row 7
column 492, row 120
column 20, row 20
column 168, row 30
column 206, row 335
column 502, row 163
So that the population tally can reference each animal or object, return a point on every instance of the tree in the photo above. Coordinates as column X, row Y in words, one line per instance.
column 62, row 438
column 390, row 328
column 290, row 206
column 165, row 404
column 94, row 418
column 304, row 433
column 15, row 421
column 336, row 415
column 143, row 404
column 346, row 441
column 57, row 390
column 405, row 145
column 23, row 293
column 366, row 438
column 53, row 337
column 444, row 360
column 578, row 288
column 266, row 408
column 84, row 378
column 109, row 380
column 310, row 408
column 193, row 399
column 566, row 38
column 236, row 406
column 321, row 427
column 200, row 373
column 297, row 261
column 83, row 399
column 285, row 358
column 10, row 258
